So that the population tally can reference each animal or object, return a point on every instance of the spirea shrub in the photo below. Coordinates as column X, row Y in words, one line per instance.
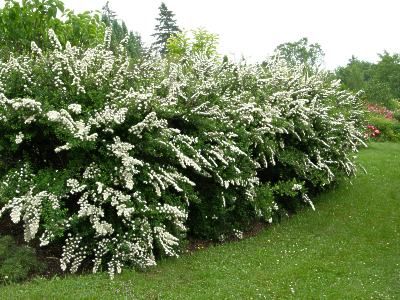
column 118, row 161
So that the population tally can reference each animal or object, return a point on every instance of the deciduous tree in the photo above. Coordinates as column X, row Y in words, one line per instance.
column 302, row 53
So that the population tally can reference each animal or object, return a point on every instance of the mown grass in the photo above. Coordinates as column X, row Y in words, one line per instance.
column 349, row 248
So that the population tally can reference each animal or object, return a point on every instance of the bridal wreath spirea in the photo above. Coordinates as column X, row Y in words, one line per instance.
column 118, row 161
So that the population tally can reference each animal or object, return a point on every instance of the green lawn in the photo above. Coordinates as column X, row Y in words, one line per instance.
column 349, row 248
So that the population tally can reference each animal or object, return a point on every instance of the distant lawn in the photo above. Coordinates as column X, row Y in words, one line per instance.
column 348, row 249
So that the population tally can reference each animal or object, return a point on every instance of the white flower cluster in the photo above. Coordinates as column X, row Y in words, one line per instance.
column 108, row 116
column 75, row 108
column 19, row 138
column 78, row 129
column 73, row 253
column 297, row 187
column 238, row 234
column 75, row 187
column 28, row 208
column 174, row 213
column 129, row 164
column 167, row 240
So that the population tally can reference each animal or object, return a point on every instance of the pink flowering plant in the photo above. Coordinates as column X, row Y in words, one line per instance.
column 372, row 131
column 380, row 110
column 118, row 162
column 383, row 125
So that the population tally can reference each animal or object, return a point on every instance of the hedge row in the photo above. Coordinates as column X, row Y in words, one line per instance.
column 119, row 161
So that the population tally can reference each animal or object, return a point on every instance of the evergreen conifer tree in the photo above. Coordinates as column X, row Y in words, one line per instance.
column 108, row 15
column 120, row 31
column 165, row 28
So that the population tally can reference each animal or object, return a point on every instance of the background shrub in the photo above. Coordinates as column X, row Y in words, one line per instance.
column 389, row 128
column 396, row 115
column 16, row 262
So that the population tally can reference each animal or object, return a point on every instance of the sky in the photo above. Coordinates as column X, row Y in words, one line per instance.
column 253, row 28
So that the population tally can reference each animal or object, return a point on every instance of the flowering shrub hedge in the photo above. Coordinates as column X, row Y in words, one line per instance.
column 118, row 161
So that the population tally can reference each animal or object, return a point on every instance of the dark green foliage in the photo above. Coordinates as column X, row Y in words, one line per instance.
column 396, row 115
column 211, row 218
column 16, row 262
column 387, row 71
column 379, row 81
column 165, row 28
column 355, row 74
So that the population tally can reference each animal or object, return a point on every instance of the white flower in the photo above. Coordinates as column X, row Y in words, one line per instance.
column 19, row 138
column 297, row 187
column 74, row 185
column 67, row 146
column 54, row 40
column 238, row 234
column 75, row 108
column 53, row 115
column 167, row 240
column 36, row 49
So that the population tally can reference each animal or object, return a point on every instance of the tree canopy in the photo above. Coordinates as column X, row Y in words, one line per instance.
column 380, row 81
column 301, row 52
column 197, row 41
column 165, row 28
column 30, row 20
